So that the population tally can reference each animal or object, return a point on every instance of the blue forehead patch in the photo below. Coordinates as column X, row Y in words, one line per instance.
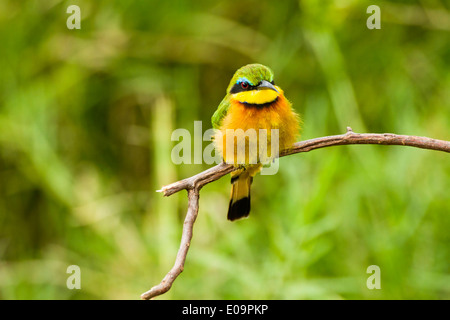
column 244, row 79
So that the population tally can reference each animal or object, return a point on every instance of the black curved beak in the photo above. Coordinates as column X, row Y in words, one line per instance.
column 266, row 85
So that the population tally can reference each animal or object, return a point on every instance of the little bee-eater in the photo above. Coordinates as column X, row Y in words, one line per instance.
column 254, row 102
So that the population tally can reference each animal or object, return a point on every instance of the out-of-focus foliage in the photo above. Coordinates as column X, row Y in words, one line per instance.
column 86, row 118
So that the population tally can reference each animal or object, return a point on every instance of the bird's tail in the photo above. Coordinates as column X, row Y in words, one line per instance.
column 241, row 181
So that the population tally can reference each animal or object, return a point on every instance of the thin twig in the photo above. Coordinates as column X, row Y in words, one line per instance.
column 191, row 215
column 195, row 183
column 214, row 173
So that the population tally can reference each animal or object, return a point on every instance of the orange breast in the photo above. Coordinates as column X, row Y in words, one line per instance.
column 279, row 115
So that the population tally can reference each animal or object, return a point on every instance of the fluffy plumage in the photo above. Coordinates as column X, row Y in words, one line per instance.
column 252, row 101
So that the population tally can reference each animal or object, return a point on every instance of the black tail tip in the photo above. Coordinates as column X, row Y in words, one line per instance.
column 239, row 209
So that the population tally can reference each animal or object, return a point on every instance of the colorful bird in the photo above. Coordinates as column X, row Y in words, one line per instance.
column 252, row 102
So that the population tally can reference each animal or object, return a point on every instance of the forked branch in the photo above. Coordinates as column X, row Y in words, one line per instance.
column 195, row 183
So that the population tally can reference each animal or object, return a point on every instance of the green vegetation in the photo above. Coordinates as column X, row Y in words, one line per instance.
column 86, row 118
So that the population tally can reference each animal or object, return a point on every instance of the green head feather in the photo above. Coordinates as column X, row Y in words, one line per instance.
column 252, row 73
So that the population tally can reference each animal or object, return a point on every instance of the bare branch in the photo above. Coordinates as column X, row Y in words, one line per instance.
column 350, row 137
column 191, row 215
column 369, row 138
column 199, row 180
column 195, row 183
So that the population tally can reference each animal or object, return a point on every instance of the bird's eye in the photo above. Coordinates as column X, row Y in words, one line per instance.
column 244, row 85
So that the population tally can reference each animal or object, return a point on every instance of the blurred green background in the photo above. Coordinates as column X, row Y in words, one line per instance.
column 86, row 118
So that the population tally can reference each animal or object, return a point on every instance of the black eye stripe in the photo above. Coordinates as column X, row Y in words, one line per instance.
column 238, row 88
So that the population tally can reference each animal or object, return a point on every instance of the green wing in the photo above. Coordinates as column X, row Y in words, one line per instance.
column 220, row 113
